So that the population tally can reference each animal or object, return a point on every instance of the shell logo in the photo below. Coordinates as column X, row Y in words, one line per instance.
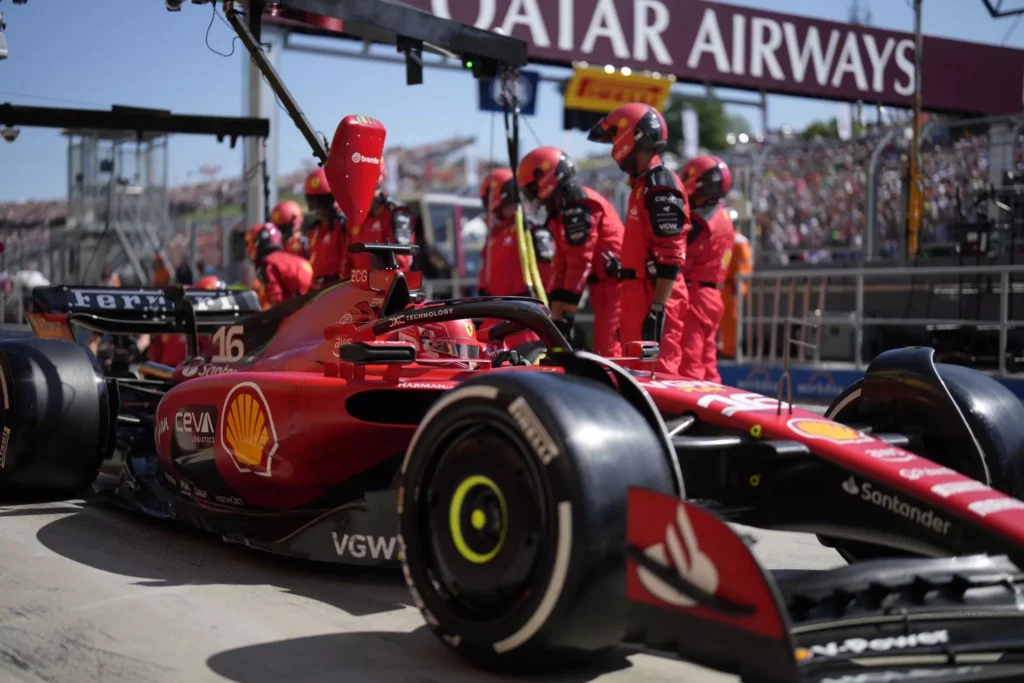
column 247, row 431
column 275, row 217
column 826, row 430
column 314, row 183
column 545, row 165
column 623, row 122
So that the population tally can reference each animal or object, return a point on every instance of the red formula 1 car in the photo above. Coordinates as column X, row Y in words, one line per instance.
column 557, row 508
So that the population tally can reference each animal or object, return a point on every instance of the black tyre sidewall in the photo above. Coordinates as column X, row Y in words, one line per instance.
column 58, row 415
column 597, row 527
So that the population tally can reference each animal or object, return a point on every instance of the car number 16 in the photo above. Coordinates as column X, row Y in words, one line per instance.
column 228, row 343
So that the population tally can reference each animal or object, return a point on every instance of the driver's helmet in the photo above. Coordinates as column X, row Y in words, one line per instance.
column 452, row 340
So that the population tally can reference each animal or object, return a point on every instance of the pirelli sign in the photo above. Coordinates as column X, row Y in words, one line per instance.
column 594, row 89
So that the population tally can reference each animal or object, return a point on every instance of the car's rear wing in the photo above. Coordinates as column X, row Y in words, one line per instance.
column 120, row 310
column 696, row 589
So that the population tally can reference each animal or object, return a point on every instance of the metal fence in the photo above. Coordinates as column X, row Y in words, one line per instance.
column 845, row 315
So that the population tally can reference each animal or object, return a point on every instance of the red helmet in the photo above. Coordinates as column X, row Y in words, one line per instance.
column 706, row 179
column 318, row 191
column 454, row 339
column 630, row 128
column 492, row 186
column 262, row 239
column 210, row 282
column 543, row 170
column 287, row 214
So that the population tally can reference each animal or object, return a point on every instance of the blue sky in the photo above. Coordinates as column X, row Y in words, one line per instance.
column 133, row 52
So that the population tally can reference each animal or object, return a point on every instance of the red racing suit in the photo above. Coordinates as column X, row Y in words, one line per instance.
column 298, row 244
column 708, row 248
column 587, row 227
column 284, row 276
column 657, row 223
column 500, row 271
column 388, row 221
column 327, row 246
column 502, row 275
column 169, row 349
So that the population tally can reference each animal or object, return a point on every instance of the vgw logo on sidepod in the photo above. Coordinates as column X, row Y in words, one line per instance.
column 247, row 430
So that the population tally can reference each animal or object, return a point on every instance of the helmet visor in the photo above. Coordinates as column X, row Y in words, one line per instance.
column 453, row 348
column 320, row 202
column 529, row 191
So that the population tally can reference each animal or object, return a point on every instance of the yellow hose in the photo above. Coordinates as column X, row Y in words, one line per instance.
column 528, row 258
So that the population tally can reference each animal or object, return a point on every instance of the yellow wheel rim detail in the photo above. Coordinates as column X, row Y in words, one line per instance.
column 477, row 517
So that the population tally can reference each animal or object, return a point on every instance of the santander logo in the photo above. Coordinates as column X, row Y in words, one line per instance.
column 358, row 158
column 680, row 550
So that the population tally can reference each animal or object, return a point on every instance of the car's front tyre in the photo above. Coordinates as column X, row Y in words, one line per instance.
column 513, row 516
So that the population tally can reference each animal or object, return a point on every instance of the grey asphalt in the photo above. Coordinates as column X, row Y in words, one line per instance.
column 89, row 592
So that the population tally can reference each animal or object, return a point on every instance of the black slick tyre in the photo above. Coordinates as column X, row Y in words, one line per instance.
column 55, row 418
column 512, row 515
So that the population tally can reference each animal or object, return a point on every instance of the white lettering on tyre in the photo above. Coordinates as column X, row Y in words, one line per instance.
column 891, row 502
column 533, row 430
column 4, row 441
column 3, row 386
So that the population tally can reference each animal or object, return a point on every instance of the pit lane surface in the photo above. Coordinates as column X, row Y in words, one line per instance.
column 89, row 592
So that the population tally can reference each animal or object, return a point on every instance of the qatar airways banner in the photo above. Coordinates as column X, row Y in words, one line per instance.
column 742, row 47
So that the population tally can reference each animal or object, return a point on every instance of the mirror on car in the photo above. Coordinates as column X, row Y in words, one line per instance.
column 354, row 165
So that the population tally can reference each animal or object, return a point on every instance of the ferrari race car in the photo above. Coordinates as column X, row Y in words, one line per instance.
column 545, row 510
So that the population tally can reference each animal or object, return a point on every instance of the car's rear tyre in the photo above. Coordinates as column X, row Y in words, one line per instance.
column 513, row 516
column 55, row 418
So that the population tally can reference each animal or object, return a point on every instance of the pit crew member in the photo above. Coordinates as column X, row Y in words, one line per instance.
column 588, row 232
column 287, row 216
column 653, row 291
column 327, row 242
column 707, row 180
column 170, row 349
column 501, row 238
column 283, row 275
column 741, row 262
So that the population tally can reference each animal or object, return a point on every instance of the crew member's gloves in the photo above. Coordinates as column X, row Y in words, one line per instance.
column 612, row 265
column 567, row 326
column 654, row 323
column 652, row 270
column 508, row 358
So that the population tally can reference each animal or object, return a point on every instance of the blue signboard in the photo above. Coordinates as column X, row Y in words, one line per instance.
column 526, row 90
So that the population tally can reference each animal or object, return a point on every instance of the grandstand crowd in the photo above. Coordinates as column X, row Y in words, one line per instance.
column 809, row 199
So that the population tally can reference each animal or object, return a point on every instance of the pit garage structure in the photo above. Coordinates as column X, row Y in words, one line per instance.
column 117, row 182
